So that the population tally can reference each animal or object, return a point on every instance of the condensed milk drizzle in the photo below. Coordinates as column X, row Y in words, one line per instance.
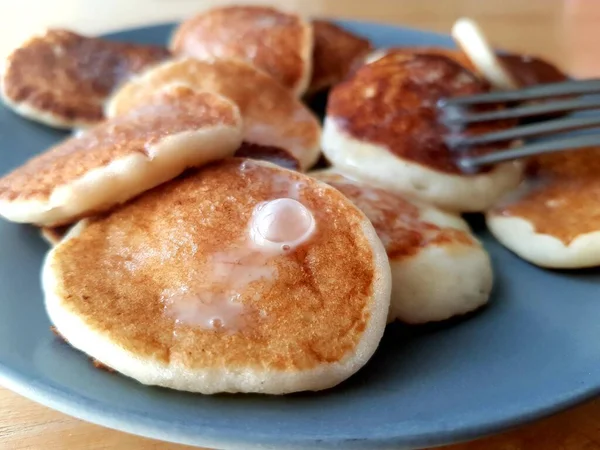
column 275, row 227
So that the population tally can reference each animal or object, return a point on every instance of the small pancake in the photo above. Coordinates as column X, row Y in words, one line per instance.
column 274, row 41
column 335, row 52
column 272, row 116
column 553, row 219
column 62, row 79
column 122, row 157
column 382, row 126
column 167, row 289
column 439, row 269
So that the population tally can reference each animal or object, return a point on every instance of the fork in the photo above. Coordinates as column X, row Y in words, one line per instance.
column 456, row 114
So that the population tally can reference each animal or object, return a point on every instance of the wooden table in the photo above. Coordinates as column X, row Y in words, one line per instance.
column 564, row 31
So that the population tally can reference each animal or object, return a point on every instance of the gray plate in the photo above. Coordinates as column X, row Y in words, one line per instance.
column 533, row 351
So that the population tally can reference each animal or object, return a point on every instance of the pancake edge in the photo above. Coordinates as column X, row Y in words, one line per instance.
column 126, row 177
column 544, row 250
column 364, row 161
column 246, row 380
column 440, row 282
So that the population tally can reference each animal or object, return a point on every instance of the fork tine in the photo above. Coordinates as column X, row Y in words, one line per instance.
column 461, row 142
column 579, row 87
column 468, row 163
column 453, row 116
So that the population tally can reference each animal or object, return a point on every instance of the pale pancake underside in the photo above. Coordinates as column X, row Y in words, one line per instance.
column 211, row 380
column 377, row 165
column 439, row 280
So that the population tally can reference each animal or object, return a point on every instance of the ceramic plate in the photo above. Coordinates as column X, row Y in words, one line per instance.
column 533, row 351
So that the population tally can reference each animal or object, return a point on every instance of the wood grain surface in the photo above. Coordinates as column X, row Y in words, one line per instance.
column 564, row 31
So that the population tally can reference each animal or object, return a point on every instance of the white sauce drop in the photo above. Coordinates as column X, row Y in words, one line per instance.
column 281, row 224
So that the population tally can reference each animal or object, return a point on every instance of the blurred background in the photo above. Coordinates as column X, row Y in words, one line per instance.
column 564, row 31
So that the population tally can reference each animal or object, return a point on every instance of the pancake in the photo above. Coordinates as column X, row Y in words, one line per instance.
column 122, row 157
column 176, row 289
column 272, row 116
column 335, row 52
column 62, row 79
column 553, row 219
column 382, row 127
column 439, row 269
column 274, row 41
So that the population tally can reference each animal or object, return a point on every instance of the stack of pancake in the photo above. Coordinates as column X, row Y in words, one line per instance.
column 190, row 249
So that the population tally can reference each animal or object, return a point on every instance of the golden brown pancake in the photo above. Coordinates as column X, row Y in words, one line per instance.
column 146, row 290
column 62, row 78
column 276, row 42
column 335, row 52
column 272, row 116
column 120, row 158
column 439, row 269
column 553, row 219
column 382, row 125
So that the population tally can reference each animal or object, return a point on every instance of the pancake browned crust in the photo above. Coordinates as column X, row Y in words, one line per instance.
column 274, row 41
column 122, row 157
column 553, row 220
column 62, row 78
column 313, row 322
column 335, row 52
column 273, row 117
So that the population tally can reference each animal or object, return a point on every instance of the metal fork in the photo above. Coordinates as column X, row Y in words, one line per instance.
column 456, row 114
